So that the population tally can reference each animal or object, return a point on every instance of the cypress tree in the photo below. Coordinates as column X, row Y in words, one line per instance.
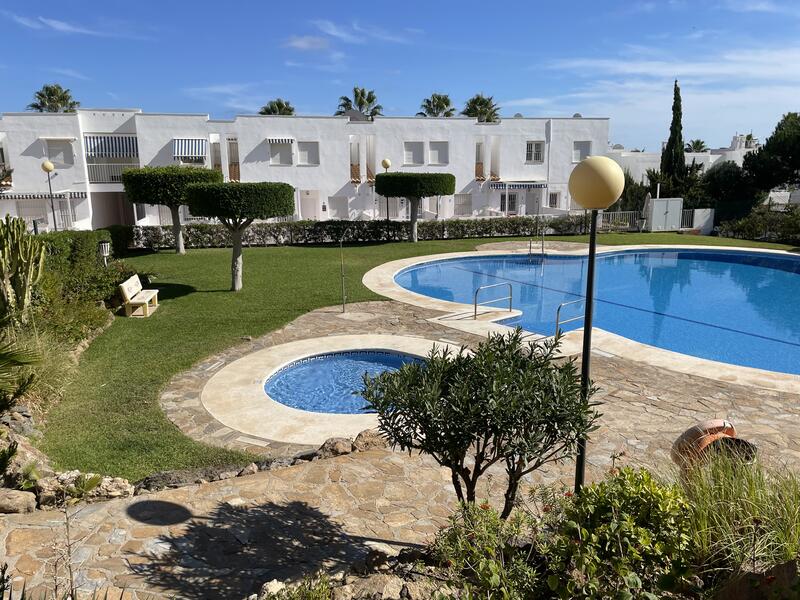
column 673, row 161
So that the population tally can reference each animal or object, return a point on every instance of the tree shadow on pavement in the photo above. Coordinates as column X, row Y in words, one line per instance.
column 235, row 549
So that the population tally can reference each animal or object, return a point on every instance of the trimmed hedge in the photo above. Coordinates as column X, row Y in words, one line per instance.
column 414, row 185
column 237, row 201
column 320, row 232
column 164, row 185
column 73, row 252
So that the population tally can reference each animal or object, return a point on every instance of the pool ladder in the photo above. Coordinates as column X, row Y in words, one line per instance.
column 559, row 322
column 530, row 245
column 476, row 304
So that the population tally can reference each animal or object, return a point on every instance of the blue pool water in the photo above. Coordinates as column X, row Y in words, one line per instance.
column 330, row 383
column 730, row 306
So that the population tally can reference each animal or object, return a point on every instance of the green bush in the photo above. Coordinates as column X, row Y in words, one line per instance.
column 742, row 516
column 763, row 223
column 73, row 259
column 626, row 536
column 310, row 588
column 121, row 239
column 241, row 201
column 486, row 556
column 414, row 185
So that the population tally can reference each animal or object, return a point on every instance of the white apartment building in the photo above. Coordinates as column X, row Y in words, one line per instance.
column 637, row 163
column 515, row 167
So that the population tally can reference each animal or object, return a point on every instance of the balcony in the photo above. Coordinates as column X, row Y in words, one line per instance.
column 479, row 175
column 108, row 172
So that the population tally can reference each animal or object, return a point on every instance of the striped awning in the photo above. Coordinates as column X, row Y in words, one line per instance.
column 517, row 185
column 280, row 140
column 40, row 195
column 189, row 147
column 111, row 146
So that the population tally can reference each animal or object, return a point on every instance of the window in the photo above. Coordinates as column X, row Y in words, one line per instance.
column 553, row 199
column 59, row 152
column 439, row 153
column 307, row 153
column 534, row 152
column 280, row 154
column 413, row 153
column 139, row 211
column 191, row 160
column 581, row 150
column 510, row 205
column 462, row 205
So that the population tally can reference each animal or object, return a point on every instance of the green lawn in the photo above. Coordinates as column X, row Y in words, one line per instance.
column 110, row 420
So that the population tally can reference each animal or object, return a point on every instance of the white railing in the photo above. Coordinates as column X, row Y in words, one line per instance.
column 624, row 219
column 687, row 219
column 108, row 173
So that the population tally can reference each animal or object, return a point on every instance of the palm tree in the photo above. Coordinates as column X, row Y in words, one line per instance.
column 696, row 146
column 279, row 106
column 438, row 105
column 53, row 98
column 364, row 101
column 482, row 108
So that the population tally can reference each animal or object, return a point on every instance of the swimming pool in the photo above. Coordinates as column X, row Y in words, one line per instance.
column 331, row 382
column 732, row 306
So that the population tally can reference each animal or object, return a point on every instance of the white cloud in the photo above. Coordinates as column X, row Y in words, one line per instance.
column 762, row 6
column 307, row 42
column 110, row 29
column 72, row 73
column 244, row 97
column 360, row 33
column 341, row 33
column 335, row 62
column 64, row 27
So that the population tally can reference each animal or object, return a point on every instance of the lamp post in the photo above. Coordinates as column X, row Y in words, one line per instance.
column 596, row 183
column 48, row 168
column 386, row 164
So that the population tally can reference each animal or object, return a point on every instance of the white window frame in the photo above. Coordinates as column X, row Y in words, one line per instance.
column 504, row 202
column 441, row 144
column 550, row 196
column 274, row 163
column 408, row 150
column 534, row 151
column 307, row 163
column 576, row 157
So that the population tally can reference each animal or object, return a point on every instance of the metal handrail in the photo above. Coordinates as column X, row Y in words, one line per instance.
column 559, row 322
column 530, row 244
column 486, row 287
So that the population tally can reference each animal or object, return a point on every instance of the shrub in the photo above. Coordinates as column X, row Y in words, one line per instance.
column 122, row 239
column 763, row 223
column 166, row 186
column 742, row 516
column 569, row 224
column 237, row 205
column 487, row 556
column 626, row 536
column 505, row 402
column 73, row 260
column 310, row 588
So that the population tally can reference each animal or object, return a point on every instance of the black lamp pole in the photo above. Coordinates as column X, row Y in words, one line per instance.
column 586, row 357
column 52, row 204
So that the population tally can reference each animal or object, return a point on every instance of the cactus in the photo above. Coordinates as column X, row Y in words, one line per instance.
column 21, row 265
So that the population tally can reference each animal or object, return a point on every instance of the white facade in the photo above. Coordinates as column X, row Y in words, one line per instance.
column 637, row 163
column 516, row 166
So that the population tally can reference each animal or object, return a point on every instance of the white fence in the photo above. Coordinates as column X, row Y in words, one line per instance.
column 626, row 220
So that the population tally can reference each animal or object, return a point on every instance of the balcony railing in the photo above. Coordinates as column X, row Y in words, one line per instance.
column 355, row 173
column 624, row 220
column 479, row 174
column 108, row 173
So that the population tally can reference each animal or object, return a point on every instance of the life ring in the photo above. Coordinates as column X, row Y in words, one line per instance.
column 691, row 443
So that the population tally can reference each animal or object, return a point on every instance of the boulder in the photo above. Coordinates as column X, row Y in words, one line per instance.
column 164, row 480
column 50, row 491
column 335, row 446
column 250, row 469
column 15, row 501
column 368, row 440
column 375, row 587
column 26, row 455
column 271, row 588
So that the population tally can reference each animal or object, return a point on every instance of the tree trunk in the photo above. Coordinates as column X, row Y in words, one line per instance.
column 414, row 210
column 236, row 260
column 510, row 499
column 177, row 230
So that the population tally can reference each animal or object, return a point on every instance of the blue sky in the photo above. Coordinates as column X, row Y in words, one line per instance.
column 738, row 61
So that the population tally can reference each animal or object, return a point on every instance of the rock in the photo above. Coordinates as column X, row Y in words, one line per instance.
column 26, row 455
column 275, row 463
column 335, row 446
column 174, row 479
column 50, row 491
column 410, row 555
column 779, row 581
column 15, row 501
column 369, row 439
column 375, row 587
column 422, row 589
column 250, row 469
column 270, row 588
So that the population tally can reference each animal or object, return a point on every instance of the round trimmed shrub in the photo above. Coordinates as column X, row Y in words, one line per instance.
column 414, row 186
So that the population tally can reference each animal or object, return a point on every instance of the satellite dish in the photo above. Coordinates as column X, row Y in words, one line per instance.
column 577, row 116
column 517, row 115
column 618, row 147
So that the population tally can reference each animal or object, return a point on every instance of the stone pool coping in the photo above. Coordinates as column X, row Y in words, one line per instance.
column 381, row 280
column 235, row 394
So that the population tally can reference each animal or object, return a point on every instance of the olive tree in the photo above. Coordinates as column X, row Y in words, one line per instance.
column 237, row 205
column 166, row 186
column 506, row 402
column 413, row 187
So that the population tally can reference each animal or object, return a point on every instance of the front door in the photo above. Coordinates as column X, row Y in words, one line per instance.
column 508, row 205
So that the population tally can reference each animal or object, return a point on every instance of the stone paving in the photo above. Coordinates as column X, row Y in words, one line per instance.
column 218, row 540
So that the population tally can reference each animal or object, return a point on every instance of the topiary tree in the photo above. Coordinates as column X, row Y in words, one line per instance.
column 166, row 186
column 506, row 402
column 413, row 187
column 237, row 205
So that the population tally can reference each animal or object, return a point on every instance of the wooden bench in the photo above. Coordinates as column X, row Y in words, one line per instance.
column 138, row 302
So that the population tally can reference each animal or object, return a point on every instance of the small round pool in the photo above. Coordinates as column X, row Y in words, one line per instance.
column 330, row 383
